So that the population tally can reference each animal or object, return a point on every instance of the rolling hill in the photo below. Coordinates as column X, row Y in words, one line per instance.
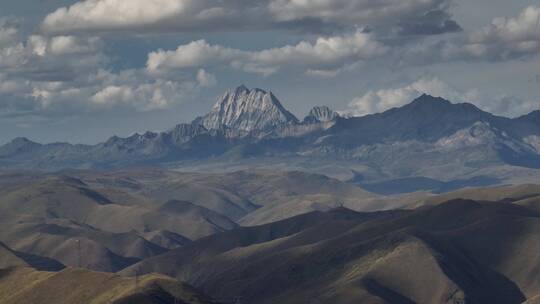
column 262, row 236
column 457, row 251
column 26, row 285
column 106, row 221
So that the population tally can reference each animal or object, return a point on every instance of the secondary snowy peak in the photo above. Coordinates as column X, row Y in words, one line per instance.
column 247, row 110
column 321, row 114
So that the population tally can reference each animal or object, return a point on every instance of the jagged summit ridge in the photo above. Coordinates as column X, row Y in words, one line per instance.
column 248, row 123
column 247, row 110
column 321, row 114
column 432, row 105
column 430, row 99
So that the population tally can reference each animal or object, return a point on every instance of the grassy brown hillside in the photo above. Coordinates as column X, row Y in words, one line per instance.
column 27, row 286
column 509, row 193
column 8, row 258
column 235, row 195
column 461, row 250
column 106, row 221
column 99, row 206
column 300, row 241
column 11, row 258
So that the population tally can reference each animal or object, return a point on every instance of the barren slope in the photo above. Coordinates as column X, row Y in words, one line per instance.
column 458, row 250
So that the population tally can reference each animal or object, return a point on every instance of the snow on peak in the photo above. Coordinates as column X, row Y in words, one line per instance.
column 321, row 114
column 247, row 110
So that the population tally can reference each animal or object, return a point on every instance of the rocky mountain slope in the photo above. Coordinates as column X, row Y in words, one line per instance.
column 428, row 138
column 321, row 114
column 247, row 110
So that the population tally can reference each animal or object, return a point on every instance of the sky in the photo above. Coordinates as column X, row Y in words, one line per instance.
column 82, row 71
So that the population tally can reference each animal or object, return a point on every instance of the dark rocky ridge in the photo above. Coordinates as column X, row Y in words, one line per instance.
column 253, row 123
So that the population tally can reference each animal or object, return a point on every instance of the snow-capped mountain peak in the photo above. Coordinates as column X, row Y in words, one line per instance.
column 247, row 110
column 321, row 114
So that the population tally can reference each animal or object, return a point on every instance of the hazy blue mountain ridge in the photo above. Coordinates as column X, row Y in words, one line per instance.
column 253, row 123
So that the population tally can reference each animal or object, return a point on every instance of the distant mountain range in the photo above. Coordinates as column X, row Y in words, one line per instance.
column 430, row 137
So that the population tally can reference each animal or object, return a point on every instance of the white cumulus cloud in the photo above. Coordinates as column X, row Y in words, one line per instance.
column 47, row 75
column 92, row 15
column 507, row 37
column 381, row 100
column 324, row 56
column 206, row 79
column 377, row 101
column 431, row 16
column 503, row 39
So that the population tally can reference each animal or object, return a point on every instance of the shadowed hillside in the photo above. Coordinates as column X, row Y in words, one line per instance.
column 25, row 285
column 106, row 221
column 477, row 245
column 428, row 144
column 461, row 250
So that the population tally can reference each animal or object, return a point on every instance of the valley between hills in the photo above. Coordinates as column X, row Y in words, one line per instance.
column 249, row 204
column 379, row 152
column 159, row 236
